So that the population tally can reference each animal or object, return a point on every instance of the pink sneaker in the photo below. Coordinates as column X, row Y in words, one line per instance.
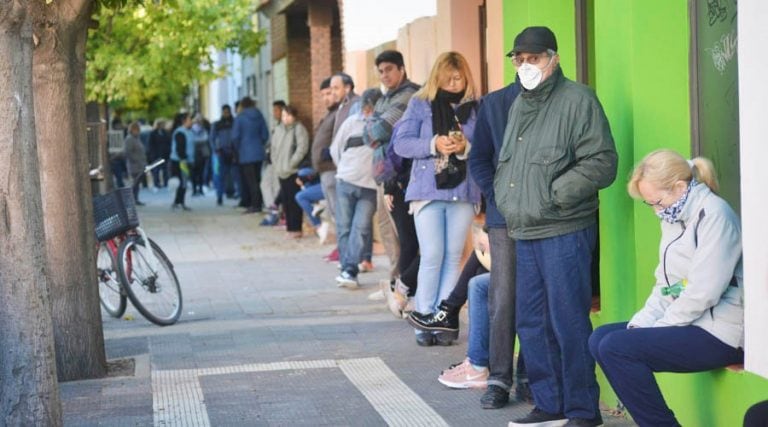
column 464, row 375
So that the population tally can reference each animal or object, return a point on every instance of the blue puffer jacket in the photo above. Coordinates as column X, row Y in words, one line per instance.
column 486, row 145
column 413, row 141
column 250, row 135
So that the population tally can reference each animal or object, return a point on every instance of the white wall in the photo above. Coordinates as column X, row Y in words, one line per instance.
column 753, row 128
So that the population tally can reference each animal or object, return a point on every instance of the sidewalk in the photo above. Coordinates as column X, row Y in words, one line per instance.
column 266, row 338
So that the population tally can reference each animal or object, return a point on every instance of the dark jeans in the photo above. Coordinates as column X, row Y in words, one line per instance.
column 293, row 212
column 251, row 186
column 119, row 171
column 629, row 358
column 198, row 175
column 182, row 190
column 554, row 296
column 501, row 312
column 136, row 185
column 757, row 415
column 408, row 263
column 228, row 173
column 161, row 170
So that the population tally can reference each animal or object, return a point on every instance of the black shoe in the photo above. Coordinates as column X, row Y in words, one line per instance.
column 445, row 338
column 583, row 422
column 446, row 319
column 138, row 203
column 523, row 392
column 219, row 201
column 494, row 397
column 425, row 340
column 536, row 417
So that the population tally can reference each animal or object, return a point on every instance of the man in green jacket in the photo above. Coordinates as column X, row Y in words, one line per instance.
column 558, row 152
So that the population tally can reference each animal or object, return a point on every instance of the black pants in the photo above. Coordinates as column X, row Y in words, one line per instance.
column 408, row 263
column 197, row 174
column 757, row 415
column 251, row 173
column 293, row 212
column 472, row 268
column 182, row 190
column 137, row 184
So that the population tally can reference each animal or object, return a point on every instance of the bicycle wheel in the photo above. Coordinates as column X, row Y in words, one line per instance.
column 149, row 281
column 112, row 297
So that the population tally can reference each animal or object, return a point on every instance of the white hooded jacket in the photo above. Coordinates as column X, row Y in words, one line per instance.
column 703, row 252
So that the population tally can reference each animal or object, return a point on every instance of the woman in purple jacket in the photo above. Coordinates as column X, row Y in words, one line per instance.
column 435, row 132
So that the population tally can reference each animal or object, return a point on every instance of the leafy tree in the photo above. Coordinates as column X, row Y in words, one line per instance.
column 145, row 56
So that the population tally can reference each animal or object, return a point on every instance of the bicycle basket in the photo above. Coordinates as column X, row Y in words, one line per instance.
column 114, row 213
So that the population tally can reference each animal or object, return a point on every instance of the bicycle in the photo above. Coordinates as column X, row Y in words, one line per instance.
column 130, row 265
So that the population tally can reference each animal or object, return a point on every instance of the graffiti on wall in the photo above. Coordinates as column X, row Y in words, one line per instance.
column 724, row 50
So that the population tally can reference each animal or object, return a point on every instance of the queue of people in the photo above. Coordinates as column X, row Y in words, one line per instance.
column 422, row 163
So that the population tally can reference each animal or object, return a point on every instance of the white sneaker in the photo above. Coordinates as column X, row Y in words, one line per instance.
column 322, row 232
column 318, row 208
column 346, row 280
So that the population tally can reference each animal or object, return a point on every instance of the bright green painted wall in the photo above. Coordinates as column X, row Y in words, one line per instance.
column 641, row 77
column 555, row 14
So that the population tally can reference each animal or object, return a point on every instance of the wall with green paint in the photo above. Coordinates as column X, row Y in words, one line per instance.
column 640, row 69
column 555, row 14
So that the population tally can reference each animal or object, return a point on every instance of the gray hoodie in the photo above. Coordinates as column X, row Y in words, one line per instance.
column 704, row 253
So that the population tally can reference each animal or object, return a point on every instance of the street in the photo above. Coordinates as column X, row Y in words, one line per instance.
column 267, row 338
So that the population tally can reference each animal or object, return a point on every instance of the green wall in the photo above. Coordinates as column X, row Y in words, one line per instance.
column 641, row 77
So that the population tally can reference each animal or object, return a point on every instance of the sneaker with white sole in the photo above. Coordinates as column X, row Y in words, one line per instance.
column 346, row 280
column 464, row 375
column 322, row 231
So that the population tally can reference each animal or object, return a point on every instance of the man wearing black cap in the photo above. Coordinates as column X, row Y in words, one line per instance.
column 558, row 152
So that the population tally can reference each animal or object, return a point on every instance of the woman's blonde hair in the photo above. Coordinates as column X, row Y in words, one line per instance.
column 664, row 168
column 444, row 64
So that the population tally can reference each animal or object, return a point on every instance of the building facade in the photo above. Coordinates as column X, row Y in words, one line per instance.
column 668, row 76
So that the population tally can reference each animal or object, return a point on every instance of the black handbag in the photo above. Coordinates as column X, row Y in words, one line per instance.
column 450, row 171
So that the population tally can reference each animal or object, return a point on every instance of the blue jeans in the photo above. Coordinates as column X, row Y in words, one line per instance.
column 355, row 207
column 478, row 341
column 227, row 172
column 629, row 357
column 442, row 230
column 310, row 194
column 554, row 297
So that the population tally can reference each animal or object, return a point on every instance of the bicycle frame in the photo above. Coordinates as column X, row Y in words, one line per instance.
column 150, row 254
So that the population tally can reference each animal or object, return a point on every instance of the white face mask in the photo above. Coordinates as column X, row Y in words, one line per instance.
column 531, row 75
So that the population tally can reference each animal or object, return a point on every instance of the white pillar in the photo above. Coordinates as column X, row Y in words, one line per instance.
column 753, row 129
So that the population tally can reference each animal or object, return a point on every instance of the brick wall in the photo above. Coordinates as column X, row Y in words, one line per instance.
column 300, row 88
column 309, row 37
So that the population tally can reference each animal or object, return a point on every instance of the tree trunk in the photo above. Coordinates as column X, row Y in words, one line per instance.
column 58, row 70
column 28, row 390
